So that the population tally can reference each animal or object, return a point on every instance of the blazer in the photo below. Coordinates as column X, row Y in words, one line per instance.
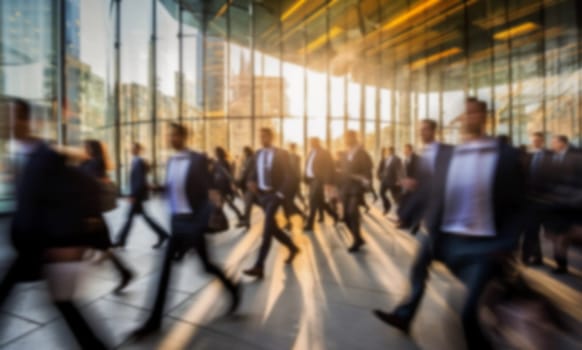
column 507, row 200
column 391, row 174
column 359, row 167
column 411, row 168
column 281, row 177
column 138, row 179
column 323, row 166
column 295, row 166
column 198, row 180
column 94, row 167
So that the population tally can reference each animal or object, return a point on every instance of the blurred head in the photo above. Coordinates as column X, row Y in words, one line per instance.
column 21, row 111
column 559, row 143
column 247, row 151
column 177, row 136
column 474, row 120
column 537, row 140
column 390, row 151
column 266, row 137
column 314, row 142
column 428, row 131
column 220, row 153
column 136, row 148
column 408, row 150
column 351, row 138
column 505, row 139
column 93, row 149
column 293, row 147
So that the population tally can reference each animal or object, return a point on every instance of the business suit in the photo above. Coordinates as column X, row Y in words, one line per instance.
column 250, row 198
column 50, row 214
column 537, row 165
column 356, row 170
column 474, row 260
column 289, row 206
column 319, row 169
column 389, row 173
column 224, row 180
column 272, row 172
column 139, row 194
column 188, row 227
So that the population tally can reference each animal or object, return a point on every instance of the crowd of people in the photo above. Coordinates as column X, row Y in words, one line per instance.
column 474, row 206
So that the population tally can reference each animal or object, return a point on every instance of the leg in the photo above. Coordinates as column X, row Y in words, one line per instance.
column 385, row 201
column 124, row 272
column 561, row 252
column 79, row 326
column 353, row 215
column 133, row 210
column 313, row 206
column 162, row 234
column 230, row 202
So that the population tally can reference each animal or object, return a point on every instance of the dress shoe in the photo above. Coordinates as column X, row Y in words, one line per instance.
column 118, row 245
column 308, row 228
column 161, row 241
column 256, row 272
column 145, row 330
column 560, row 270
column 126, row 278
column 292, row 256
column 320, row 220
column 356, row 247
column 393, row 320
column 288, row 226
column 243, row 224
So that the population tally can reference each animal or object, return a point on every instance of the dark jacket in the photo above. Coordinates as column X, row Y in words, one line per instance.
column 138, row 179
column 323, row 166
column 281, row 177
column 245, row 173
column 222, row 174
column 295, row 166
column 198, row 181
column 390, row 175
column 94, row 167
column 354, row 170
column 508, row 200
column 411, row 168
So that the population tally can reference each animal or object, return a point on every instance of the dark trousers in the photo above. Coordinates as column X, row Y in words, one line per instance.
column 270, row 203
column 187, row 233
column 27, row 267
column 229, row 200
column 352, row 216
column 531, row 245
column 250, row 199
column 137, row 209
column 461, row 256
column 394, row 191
column 317, row 202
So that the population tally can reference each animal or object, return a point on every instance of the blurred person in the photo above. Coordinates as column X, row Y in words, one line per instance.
column 473, row 219
column 412, row 206
column 49, row 226
column 96, row 166
column 272, row 180
column 356, row 170
column 289, row 206
column 139, row 191
column 224, row 180
column 389, row 173
column 190, row 195
column 566, row 205
column 318, row 175
column 537, row 164
column 410, row 165
column 250, row 197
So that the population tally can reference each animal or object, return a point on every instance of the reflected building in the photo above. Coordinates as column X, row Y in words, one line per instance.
column 305, row 68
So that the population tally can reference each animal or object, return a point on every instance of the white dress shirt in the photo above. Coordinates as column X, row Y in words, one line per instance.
column 352, row 152
column 264, row 164
column 309, row 168
column 388, row 161
column 176, row 183
column 469, row 185
column 429, row 154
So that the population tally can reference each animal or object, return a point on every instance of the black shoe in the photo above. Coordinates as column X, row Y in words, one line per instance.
column 161, row 241
column 236, row 297
column 320, row 220
column 147, row 329
column 393, row 320
column 386, row 211
column 292, row 256
column 308, row 228
column 118, row 244
column 126, row 278
column 356, row 247
column 242, row 224
column 560, row 270
column 288, row 226
column 256, row 272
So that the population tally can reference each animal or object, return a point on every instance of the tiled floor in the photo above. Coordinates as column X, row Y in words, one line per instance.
column 323, row 301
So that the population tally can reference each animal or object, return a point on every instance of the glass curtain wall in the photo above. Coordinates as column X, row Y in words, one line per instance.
column 121, row 70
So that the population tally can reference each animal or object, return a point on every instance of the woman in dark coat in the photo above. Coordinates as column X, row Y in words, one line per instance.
column 224, row 179
column 96, row 167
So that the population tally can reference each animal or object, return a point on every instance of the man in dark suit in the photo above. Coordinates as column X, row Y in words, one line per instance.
column 319, row 169
column 566, row 188
column 272, row 180
column 473, row 218
column 537, row 165
column 410, row 162
column 389, row 173
column 289, row 207
column 190, row 199
column 250, row 197
column 137, row 197
column 355, row 172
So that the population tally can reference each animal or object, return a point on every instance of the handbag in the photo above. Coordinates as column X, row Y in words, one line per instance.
column 218, row 222
column 107, row 195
